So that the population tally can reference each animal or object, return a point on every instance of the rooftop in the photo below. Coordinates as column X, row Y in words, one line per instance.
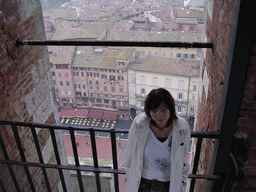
column 167, row 65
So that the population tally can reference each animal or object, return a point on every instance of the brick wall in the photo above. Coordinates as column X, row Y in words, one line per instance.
column 246, row 124
column 218, row 27
column 25, row 90
column 218, row 30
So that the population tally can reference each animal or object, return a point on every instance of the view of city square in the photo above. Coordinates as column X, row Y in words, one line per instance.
column 105, row 86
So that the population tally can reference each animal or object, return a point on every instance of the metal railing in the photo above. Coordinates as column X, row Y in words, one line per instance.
column 77, row 167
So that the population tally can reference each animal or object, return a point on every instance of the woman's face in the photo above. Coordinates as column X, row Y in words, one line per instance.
column 160, row 115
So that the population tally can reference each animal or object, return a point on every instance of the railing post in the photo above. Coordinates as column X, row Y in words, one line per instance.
column 196, row 161
column 9, row 166
column 114, row 155
column 54, row 143
column 23, row 158
column 39, row 153
column 95, row 159
column 79, row 176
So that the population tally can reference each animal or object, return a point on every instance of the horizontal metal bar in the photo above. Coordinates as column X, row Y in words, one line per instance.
column 96, row 170
column 65, row 167
column 115, row 43
column 197, row 134
column 208, row 177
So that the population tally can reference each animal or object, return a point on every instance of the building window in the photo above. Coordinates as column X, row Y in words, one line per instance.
column 121, row 63
column 142, row 52
column 120, row 78
column 192, row 56
column 142, row 91
column 65, row 66
column 178, row 55
column 121, row 89
column 75, row 73
column 105, row 88
column 83, row 86
column 132, row 89
column 90, row 81
column 181, row 85
column 112, row 77
column 58, row 66
column 180, row 96
column 67, row 83
column 155, row 81
column 61, row 83
column 142, row 80
column 113, row 89
column 193, row 97
column 149, row 52
column 97, row 82
column 62, row 92
column 171, row 54
column 89, row 74
column 84, row 94
column 180, row 109
column 163, row 54
column 120, row 71
column 69, row 92
column 194, row 87
column 142, row 104
column 192, row 110
column 185, row 56
column 53, row 73
column 104, row 76
column 156, row 53
column 82, row 74
column 132, row 79
column 168, row 83
column 77, row 86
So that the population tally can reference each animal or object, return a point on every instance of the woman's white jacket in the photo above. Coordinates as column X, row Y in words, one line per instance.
column 133, row 160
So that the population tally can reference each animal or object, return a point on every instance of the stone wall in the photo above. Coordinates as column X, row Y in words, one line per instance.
column 26, row 91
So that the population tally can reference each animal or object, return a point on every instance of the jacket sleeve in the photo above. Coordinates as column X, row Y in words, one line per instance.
column 186, row 165
column 129, row 148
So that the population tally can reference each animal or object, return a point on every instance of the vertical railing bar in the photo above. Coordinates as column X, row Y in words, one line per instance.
column 95, row 159
column 23, row 158
column 114, row 156
column 196, row 162
column 9, row 166
column 2, row 186
column 54, row 143
column 40, row 157
column 79, row 176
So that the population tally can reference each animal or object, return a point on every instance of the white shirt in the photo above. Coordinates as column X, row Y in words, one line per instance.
column 157, row 157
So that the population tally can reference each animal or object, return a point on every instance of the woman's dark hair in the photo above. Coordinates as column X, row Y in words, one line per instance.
column 158, row 96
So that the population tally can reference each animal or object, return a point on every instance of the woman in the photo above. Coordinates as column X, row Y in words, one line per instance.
column 158, row 143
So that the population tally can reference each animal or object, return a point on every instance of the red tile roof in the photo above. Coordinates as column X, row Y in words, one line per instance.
column 110, row 115
column 82, row 112
column 67, row 113
column 95, row 113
